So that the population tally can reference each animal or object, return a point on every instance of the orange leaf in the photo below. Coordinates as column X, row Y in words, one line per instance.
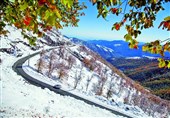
column 27, row 20
column 135, row 47
column 117, row 26
column 114, row 10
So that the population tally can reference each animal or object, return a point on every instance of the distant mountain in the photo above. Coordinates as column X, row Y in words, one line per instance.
column 121, row 47
column 104, row 51
column 114, row 49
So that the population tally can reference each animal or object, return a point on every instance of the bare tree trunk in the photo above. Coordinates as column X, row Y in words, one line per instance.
column 78, row 77
column 100, row 90
column 88, row 82
column 102, row 82
column 109, row 92
column 50, row 66
column 39, row 64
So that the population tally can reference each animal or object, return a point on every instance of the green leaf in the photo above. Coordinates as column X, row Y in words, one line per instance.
column 67, row 3
column 133, row 22
column 155, row 1
column 51, row 20
column 128, row 37
column 23, row 6
column 113, row 28
column 32, row 41
column 159, row 59
column 58, row 14
column 131, row 45
column 144, row 48
column 168, row 64
column 161, row 63
column 47, row 14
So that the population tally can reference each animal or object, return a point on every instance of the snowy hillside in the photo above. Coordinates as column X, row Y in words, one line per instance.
column 21, row 99
column 78, row 70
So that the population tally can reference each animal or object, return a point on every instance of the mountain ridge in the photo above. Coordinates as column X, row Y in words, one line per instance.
column 120, row 47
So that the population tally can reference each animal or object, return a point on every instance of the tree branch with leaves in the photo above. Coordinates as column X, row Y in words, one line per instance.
column 39, row 16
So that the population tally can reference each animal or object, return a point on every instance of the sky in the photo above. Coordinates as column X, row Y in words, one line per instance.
column 92, row 28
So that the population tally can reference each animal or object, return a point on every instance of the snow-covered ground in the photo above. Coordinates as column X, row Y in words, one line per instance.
column 105, row 48
column 149, row 57
column 21, row 99
column 133, row 57
column 18, row 98
column 132, row 111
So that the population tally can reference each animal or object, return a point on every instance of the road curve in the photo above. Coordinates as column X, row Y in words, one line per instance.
column 17, row 67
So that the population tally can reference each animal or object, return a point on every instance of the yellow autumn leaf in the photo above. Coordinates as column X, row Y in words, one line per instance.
column 167, row 18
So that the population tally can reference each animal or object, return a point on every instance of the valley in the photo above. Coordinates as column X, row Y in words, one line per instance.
column 147, row 73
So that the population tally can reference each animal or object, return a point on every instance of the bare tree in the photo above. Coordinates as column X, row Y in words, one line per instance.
column 102, row 81
column 98, row 69
column 62, row 70
column 126, row 99
column 110, row 91
column 101, row 84
column 40, row 63
column 82, row 49
column 71, row 61
column 86, row 62
column 61, row 52
column 62, row 73
column 88, row 81
column 52, row 62
column 78, row 77
column 93, row 64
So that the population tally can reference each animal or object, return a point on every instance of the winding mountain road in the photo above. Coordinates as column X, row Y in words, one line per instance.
column 17, row 67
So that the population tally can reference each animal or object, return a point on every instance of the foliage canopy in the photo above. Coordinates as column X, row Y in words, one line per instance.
column 39, row 15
